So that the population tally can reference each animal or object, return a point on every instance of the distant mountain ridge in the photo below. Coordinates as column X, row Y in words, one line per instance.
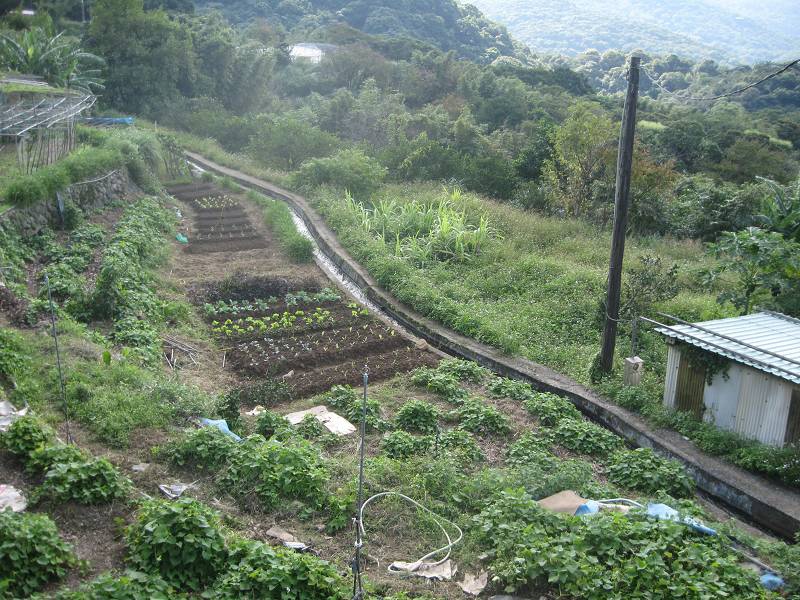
column 727, row 31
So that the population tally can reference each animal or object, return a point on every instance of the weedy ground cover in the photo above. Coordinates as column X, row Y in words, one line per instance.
column 535, row 289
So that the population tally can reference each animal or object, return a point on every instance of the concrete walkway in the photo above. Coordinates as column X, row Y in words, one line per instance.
column 769, row 505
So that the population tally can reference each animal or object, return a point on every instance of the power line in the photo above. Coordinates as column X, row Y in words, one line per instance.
column 726, row 94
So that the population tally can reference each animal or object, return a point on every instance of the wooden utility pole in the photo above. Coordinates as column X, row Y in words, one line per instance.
column 621, row 201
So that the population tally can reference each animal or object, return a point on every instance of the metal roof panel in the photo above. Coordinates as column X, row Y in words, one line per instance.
column 766, row 341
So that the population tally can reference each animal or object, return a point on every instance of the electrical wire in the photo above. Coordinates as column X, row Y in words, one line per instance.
column 438, row 519
column 679, row 96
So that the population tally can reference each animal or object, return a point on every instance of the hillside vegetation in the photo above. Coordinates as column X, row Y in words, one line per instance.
column 475, row 181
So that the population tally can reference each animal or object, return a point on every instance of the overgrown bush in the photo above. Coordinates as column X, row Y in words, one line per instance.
column 180, row 540
column 465, row 370
column 532, row 449
column 310, row 428
column 13, row 356
column 531, row 546
column 278, row 216
column 270, row 424
column 350, row 170
column 204, row 448
column 267, row 392
column 25, row 435
column 400, row 444
column 31, row 553
column 129, row 585
column 275, row 471
column 124, row 290
column 643, row 470
column 545, row 478
column 418, row 416
column 45, row 456
column 551, row 409
column 131, row 148
column 585, row 437
column 461, row 445
column 781, row 463
column 263, row 571
column 503, row 387
column 91, row 481
column 482, row 419
column 347, row 402
column 445, row 384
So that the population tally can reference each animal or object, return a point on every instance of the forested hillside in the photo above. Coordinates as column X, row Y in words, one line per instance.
column 443, row 24
column 728, row 32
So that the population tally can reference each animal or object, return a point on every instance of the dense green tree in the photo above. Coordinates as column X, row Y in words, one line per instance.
column 688, row 143
column 150, row 58
column 583, row 154
column 529, row 164
column 286, row 142
column 181, row 6
column 765, row 267
column 748, row 158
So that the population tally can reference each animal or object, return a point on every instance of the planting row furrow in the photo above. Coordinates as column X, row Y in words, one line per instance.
column 276, row 356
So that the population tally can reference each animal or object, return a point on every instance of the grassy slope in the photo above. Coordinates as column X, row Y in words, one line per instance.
column 534, row 291
column 8, row 170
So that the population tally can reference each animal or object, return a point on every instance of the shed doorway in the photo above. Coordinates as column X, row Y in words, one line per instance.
column 793, row 420
column 690, row 387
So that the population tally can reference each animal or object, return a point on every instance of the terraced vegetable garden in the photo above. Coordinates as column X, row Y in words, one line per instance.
column 294, row 329
column 220, row 222
column 311, row 339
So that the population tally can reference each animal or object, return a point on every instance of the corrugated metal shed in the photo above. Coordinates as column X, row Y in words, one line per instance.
column 766, row 341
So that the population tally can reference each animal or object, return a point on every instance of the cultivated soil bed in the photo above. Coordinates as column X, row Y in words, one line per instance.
column 229, row 233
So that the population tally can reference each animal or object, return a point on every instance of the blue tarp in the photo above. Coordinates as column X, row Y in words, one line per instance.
column 222, row 425
column 109, row 120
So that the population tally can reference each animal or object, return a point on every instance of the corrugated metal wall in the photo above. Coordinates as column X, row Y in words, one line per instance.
column 673, row 362
column 763, row 407
column 750, row 402
column 721, row 398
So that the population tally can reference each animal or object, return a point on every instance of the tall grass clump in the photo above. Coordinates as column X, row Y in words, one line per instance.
column 425, row 231
column 279, row 219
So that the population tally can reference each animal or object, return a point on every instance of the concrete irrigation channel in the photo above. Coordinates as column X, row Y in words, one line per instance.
column 766, row 504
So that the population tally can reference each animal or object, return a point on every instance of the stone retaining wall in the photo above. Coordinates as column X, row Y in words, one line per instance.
column 89, row 196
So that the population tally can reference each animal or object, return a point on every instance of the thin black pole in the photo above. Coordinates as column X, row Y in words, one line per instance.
column 58, row 359
column 621, row 201
column 358, row 590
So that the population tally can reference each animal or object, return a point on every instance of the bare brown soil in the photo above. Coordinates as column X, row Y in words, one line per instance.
column 312, row 358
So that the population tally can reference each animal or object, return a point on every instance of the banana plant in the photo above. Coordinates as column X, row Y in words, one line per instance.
column 57, row 58
column 781, row 212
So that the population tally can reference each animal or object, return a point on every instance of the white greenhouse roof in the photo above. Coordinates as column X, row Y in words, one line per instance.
column 766, row 341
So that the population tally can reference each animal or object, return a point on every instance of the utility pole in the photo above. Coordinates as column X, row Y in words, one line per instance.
column 621, row 201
